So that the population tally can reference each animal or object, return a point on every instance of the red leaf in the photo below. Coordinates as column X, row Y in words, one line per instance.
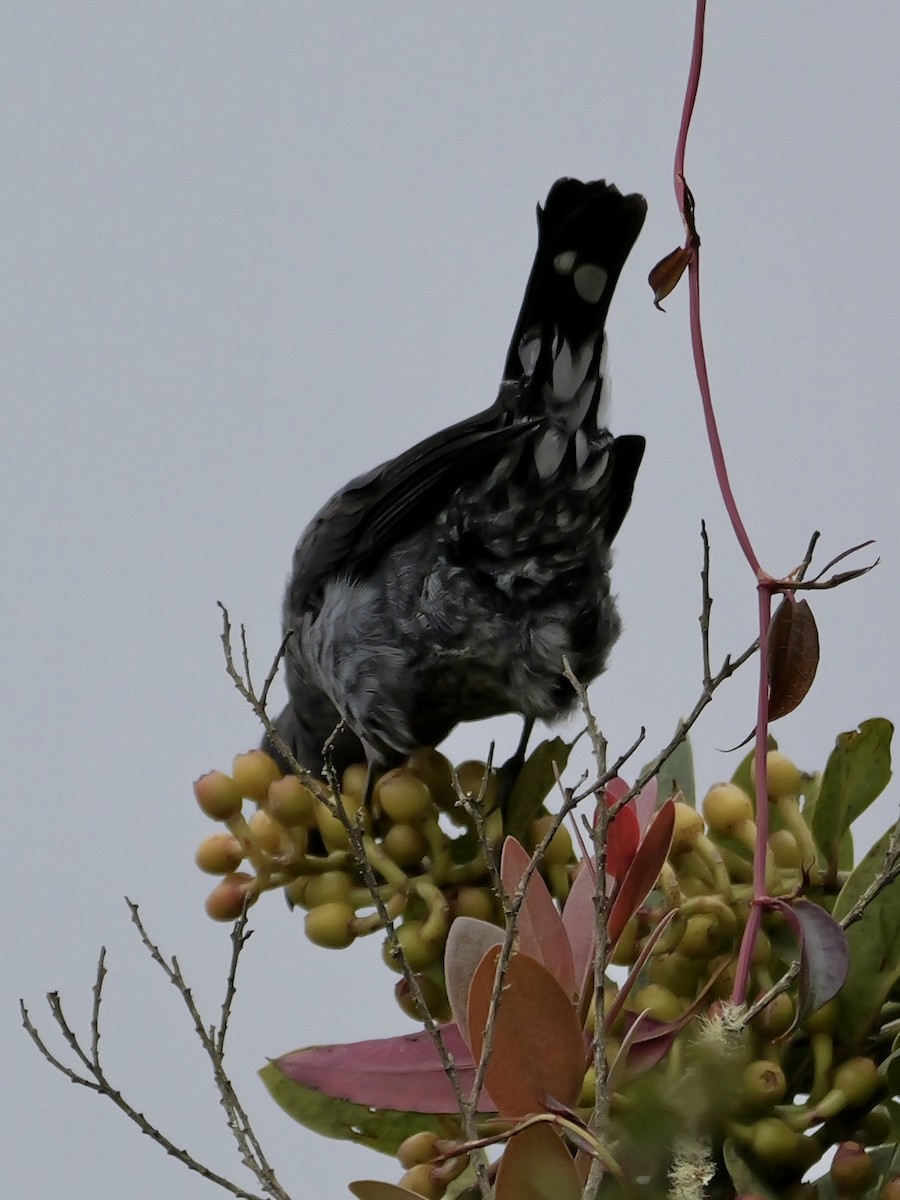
column 793, row 655
column 468, row 941
column 401, row 1073
column 643, row 873
column 536, row 1165
column 539, row 927
column 538, row 1048
column 623, row 831
column 824, row 953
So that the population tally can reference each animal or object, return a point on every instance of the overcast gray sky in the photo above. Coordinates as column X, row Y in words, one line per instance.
column 248, row 250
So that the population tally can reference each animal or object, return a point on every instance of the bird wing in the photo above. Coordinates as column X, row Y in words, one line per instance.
column 375, row 510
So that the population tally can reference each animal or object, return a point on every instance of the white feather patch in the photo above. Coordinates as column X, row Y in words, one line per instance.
column 592, row 477
column 549, row 451
column 590, row 282
column 569, row 370
column 564, row 262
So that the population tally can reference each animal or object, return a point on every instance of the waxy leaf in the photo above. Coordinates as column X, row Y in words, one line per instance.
column 536, row 1165
column 534, row 784
column 376, row 1189
column 538, row 1048
column 539, row 927
column 468, row 941
column 401, row 1073
column 824, row 953
column 874, row 946
column 677, row 774
column 381, row 1129
column 643, row 873
column 793, row 655
column 858, row 771
column 580, row 920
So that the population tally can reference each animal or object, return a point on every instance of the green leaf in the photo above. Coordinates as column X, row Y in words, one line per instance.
column 534, row 784
column 677, row 775
column 874, row 942
column 382, row 1129
column 858, row 771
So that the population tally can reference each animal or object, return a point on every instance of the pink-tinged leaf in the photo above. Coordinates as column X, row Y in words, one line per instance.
column 536, row 1165
column 468, row 941
column 793, row 655
column 623, row 832
column 643, row 873
column 824, row 953
column 538, row 1048
column 403, row 1073
column 645, row 803
column 539, row 927
column 653, row 1039
column 580, row 920
column 376, row 1189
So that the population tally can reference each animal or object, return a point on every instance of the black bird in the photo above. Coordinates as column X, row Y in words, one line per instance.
column 447, row 584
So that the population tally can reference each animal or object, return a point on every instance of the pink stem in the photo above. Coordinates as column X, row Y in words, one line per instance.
column 764, row 580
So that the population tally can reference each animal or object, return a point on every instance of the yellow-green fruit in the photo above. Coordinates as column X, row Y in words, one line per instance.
column 353, row 780
column 777, row 1017
column 727, row 965
column 471, row 776
column 219, row 854
column 588, row 1089
column 785, row 850
column 295, row 891
column 675, row 972
column 432, row 993
column 776, row 1143
column 782, row 776
column 859, row 1079
column 874, row 1127
column 657, row 1000
column 267, row 834
column 330, row 925
column 218, row 795
column 226, row 901
column 290, row 802
column 703, row 937
column 559, row 848
column 474, row 902
column 435, row 771
column 764, row 1085
column 403, row 796
column 405, row 845
column 333, row 830
column 253, row 772
column 626, row 950
column 852, row 1171
column 824, row 1019
column 891, row 1190
column 418, row 951
column 418, row 1179
column 418, row 1148
column 726, row 807
column 688, row 827
column 327, row 888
